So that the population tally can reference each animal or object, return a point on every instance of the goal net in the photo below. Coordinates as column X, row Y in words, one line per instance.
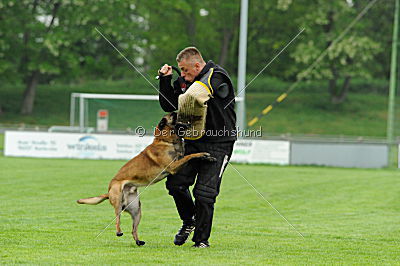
column 125, row 112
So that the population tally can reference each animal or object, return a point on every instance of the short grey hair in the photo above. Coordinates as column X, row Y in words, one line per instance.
column 189, row 52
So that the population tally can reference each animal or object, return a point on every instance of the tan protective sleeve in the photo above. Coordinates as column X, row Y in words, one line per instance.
column 192, row 109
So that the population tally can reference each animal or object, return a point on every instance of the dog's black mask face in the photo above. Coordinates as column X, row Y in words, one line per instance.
column 168, row 120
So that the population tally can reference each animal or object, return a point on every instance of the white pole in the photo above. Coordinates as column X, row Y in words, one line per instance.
column 241, row 106
column 72, row 111
column 81, row 113
column 86, row 101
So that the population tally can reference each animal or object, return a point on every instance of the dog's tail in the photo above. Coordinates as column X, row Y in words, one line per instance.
column 93, row 200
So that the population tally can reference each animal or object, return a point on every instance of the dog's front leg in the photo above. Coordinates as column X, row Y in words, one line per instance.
column 177, row 165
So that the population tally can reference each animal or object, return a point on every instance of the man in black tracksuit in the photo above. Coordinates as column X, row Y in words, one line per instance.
column 218, row 140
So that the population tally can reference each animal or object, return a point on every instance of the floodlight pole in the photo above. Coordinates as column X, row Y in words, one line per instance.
column 393, row 80
column 241, row 83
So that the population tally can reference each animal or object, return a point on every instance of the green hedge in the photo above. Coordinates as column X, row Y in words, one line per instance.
column 271, row 84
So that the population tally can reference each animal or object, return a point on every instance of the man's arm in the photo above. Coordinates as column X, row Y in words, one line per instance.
column 167, row 97
column 220, row 85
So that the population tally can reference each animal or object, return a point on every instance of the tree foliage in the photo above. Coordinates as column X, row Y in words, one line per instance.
column 48, row 40
column 348, row 55
column 43, row 40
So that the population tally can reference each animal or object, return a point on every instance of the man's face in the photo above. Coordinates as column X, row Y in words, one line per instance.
column 189, row 69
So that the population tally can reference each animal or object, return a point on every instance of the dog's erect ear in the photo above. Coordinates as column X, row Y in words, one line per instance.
column 162, row 123
column 174, row 115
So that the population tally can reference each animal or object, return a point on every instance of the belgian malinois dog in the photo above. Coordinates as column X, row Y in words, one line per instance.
column 161, row 158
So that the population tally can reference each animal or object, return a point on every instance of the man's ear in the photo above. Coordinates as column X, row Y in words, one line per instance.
column 162, row 123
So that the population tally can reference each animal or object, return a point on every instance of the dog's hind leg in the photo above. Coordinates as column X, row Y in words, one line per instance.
column 132, row 203
column 135, row 225
column 118, row 222
column 115, row 197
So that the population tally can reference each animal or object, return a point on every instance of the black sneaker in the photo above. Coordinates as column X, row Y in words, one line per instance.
column 183, row 234
column 201, row 245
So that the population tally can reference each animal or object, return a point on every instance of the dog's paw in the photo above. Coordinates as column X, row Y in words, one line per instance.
column 120, row 234
column 140, row 243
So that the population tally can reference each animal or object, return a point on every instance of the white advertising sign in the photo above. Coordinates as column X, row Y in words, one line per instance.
column 73, row 145
column 124, row 147
column 261, row 151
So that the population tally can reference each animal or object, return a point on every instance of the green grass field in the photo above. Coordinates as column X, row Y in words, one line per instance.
column 348, row 216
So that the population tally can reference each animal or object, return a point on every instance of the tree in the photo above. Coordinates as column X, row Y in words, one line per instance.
column 347, row 58
column 45, row 39
column 271, row 26
column 209, row 25
column 220, row 23
column 379, row 26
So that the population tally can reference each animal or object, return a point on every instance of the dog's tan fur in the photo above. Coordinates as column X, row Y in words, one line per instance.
column 161, row 158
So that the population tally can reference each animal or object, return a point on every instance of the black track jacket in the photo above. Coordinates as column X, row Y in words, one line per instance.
column 220, row 121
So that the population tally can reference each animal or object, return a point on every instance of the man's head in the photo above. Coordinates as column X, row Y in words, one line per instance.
column 190, row 62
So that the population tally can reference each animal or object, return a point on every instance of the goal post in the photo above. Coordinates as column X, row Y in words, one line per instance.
column 126, row 111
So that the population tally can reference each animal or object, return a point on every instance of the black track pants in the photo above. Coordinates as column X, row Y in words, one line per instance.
column 206, row 188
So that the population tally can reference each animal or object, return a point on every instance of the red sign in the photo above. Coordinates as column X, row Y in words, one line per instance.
column 102, row 113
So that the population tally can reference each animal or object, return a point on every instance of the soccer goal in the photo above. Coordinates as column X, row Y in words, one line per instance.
column 126, row 112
